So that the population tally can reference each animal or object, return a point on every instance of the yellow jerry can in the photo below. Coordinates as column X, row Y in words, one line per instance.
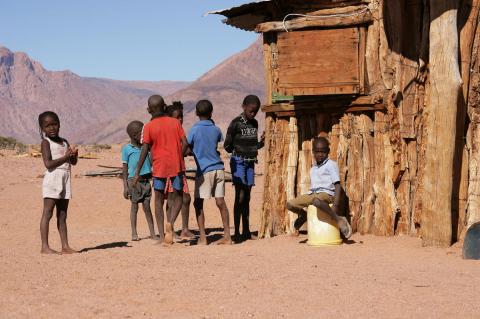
column 322, row 229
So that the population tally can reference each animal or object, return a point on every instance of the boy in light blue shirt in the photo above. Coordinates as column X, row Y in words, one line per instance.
column 324, row 190
column 142, row 192
column 203, row 139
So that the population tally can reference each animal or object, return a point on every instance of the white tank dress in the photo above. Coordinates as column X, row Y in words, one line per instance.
column 57, row 181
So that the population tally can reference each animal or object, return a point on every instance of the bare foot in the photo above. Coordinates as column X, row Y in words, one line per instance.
column 168, row 233
column 154, row 237
column 135, row 238
column 224, row 241
column 48, row 251
column 345, row 227
column 202, row 241
column 68, row 250
column 295, row 233
column 186, row 234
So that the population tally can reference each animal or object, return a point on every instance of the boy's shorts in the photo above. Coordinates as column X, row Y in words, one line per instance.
column 243, row 172
column 211, row 184
column 141, row 192
column 160, row 183
column 169, row 187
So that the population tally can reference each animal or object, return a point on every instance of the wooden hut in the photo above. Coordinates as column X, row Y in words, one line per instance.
column 394, row 85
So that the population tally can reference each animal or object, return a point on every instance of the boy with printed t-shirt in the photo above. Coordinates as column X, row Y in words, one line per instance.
column 324, row 190
column 165, row 138
column 203, row 139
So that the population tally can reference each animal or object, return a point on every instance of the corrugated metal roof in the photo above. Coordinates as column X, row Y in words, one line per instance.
column 246, row 16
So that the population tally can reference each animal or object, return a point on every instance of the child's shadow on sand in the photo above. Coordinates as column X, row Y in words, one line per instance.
column 118, row 244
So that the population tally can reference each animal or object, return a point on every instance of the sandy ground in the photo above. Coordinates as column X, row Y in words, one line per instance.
column 373, row 277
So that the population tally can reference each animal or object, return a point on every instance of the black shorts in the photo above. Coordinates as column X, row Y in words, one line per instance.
column 141, row 192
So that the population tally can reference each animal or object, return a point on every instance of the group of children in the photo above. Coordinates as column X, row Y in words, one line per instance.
column 155, row 156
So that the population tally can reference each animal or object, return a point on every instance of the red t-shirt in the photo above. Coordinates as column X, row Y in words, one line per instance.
column 164, row 135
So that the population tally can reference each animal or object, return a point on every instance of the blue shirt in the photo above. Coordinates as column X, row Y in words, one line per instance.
column 204, row 137
column 323, row 177
column 130, row 156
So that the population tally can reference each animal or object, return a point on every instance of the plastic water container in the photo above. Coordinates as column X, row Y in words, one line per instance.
column 322, row 229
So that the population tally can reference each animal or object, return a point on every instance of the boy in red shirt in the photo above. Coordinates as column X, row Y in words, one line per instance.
column 165, row 138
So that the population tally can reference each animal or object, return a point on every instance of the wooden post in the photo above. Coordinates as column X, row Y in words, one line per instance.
column 473, row 135
column 292, row 163
column 445, row 83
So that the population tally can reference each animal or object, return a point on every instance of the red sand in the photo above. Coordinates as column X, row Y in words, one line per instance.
column 271, row 278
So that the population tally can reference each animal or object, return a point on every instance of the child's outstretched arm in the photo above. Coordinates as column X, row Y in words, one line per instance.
column 141, row 160
column 124, row 177
column 47, row 156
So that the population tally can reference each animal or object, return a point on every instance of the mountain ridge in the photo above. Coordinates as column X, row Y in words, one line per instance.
column 97, row 110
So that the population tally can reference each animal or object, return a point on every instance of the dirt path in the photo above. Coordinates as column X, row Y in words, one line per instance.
column 273, row 278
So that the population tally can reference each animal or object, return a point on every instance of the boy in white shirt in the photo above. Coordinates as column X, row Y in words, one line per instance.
column 324, row 190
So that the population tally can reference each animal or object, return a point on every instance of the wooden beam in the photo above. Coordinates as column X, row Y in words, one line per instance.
column 284, row 109
column 361, row 103
column 338, row 17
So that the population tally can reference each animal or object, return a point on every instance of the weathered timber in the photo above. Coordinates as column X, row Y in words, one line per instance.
column 305, row 66
column 338, row 17
column 473, row 133
column 445, row 81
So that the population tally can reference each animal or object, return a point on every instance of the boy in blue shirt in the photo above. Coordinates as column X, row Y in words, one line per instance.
column 324, row 189
column 142, row 192
column 203, row 139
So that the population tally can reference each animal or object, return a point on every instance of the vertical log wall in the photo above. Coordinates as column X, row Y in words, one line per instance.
column 383, row 155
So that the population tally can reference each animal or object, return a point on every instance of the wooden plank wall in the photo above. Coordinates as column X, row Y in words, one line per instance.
column 306, row 66
column 381, row 154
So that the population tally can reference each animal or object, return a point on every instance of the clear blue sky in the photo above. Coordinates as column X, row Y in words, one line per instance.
column 122, row 39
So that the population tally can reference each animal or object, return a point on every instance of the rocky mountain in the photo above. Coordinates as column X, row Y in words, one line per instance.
column 96, row 110
column 225, row 86
column 27, row 89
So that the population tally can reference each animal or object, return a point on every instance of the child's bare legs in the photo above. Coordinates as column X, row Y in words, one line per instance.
column 222, row 206
column 148, row 217
column 198, row 204
column 173, row 214
column 159, row 195
column 62, row 207
column 186, row 200
column 342, row 222
column 48, row 206
column 133, row 220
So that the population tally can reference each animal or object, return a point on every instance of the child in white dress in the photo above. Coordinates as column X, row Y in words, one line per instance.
column 58, row 156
